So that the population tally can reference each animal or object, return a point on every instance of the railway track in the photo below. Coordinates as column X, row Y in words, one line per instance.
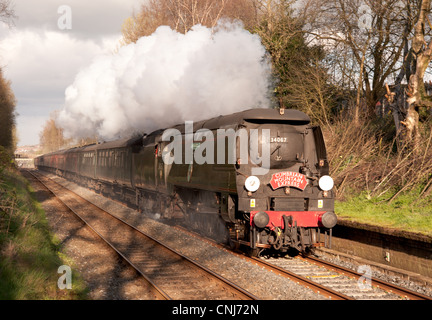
column 354, row 285
column 171, row 275
column 401, row 292
column 330, row 280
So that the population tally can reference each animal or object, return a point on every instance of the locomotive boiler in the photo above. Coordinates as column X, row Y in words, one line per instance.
column 257, row 178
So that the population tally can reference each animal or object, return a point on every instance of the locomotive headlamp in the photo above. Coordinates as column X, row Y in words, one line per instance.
column 326, row 183
column 252, row 183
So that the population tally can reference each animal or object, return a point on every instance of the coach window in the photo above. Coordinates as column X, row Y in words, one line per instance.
column 116, row 158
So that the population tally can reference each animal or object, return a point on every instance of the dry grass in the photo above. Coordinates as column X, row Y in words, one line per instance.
column 377, row 181
column 362, row 160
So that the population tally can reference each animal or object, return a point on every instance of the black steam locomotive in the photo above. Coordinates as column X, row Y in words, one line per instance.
column 258, row 178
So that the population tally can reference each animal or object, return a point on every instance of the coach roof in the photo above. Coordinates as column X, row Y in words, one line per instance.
column 121, row 143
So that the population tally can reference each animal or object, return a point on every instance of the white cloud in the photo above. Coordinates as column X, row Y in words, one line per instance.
column 89, row 18
column 41, row 61
column 41, row 64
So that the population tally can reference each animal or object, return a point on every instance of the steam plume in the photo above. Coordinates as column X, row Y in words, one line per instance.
column 167, row 78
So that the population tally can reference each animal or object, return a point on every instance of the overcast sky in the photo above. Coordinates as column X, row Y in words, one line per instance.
column 41, row 56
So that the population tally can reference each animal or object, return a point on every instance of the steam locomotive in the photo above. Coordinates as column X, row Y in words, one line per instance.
column 257, row 178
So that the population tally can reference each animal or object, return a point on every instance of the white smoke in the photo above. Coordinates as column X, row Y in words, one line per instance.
column 167, row 78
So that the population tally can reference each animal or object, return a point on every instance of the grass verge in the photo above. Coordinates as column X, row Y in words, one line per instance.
column 407, row 212
column 29, row 254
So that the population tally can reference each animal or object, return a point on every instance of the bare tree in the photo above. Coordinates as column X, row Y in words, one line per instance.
column 51, row 137
column 182, row 15
column 7, row 114
column 422, row 52
column 143, row 23
column 7, row 13
column 296, row 66
column 367, row 35
column 406, row 103
column 7, row 98
column 187, row 13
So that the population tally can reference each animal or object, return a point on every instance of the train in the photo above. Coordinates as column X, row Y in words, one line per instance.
column 257, row 179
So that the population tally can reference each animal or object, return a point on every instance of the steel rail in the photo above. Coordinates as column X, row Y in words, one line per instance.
column 316, row 287
column 238, row 290
column 159, row 293
column 403, row 292
column 327, row 292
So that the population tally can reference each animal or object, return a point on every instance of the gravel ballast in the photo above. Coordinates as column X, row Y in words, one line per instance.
column 260, row 282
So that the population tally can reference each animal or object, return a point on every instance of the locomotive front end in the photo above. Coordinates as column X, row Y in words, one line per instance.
column 291, row 201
